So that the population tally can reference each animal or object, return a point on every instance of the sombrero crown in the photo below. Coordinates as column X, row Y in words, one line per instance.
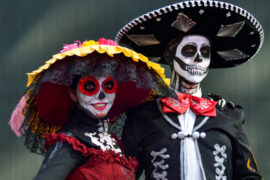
column 236, row 36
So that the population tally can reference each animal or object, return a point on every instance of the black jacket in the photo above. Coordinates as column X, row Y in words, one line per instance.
column 147, row 133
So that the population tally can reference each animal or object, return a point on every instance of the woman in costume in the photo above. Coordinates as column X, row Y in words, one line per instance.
column 192, row 137
column 71, row 100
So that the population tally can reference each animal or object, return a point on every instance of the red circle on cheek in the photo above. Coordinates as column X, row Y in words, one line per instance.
column 85, row 91
column 111, row 90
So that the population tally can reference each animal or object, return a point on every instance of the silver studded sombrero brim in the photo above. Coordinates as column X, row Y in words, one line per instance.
column 236, row 36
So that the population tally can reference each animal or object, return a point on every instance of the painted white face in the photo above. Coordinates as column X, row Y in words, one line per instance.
column 96, row 94
column 192, row 58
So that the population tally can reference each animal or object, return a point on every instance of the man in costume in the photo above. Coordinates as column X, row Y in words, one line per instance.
column 70, row 101
column 191, row 136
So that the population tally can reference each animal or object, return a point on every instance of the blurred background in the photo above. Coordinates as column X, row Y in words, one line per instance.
column 31, row 31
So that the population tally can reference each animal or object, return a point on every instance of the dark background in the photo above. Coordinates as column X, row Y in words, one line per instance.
column 32, row 30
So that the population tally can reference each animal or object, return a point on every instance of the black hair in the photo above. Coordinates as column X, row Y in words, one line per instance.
column 75, row 82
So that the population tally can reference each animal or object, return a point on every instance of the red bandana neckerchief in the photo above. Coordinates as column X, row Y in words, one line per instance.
column 200, row 106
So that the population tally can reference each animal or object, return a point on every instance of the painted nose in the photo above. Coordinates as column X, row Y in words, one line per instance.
column 198, row 58
column 101, row 95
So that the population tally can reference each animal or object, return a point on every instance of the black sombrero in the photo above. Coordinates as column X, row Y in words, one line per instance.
column 236, row 36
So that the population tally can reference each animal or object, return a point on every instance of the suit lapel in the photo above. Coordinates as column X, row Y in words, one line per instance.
column 174, row 118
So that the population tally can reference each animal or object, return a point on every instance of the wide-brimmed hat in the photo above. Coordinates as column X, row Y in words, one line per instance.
column 46, row 104
column 236, row 36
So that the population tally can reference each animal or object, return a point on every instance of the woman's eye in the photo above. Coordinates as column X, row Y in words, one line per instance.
column 109, row 85
column 89, row 86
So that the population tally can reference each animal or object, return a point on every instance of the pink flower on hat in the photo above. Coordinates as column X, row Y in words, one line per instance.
column 68, row 47
column 78, row 44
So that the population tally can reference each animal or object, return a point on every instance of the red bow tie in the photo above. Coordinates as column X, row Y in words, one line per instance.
column 200, row 106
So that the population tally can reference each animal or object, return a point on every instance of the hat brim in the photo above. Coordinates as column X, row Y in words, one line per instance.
column 111, row 51
column 236, row 36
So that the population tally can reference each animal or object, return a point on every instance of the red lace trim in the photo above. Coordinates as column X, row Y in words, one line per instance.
column 97, row 155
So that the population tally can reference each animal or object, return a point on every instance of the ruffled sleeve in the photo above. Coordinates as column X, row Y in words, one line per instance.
column 97, row 155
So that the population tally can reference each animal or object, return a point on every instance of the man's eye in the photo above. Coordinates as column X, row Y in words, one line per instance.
column 89, row 86
column 109, row 85
column 205, row 51
column 189, row 50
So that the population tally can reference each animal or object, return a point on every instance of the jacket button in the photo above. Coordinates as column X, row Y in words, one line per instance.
column 203, row 135
column 196, row 135
column 181, row 135
column 174, row 136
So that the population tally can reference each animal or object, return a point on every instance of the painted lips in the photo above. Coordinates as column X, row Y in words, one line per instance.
column 99, row 106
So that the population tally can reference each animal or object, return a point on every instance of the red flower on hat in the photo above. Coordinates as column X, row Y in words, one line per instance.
column 103, row 41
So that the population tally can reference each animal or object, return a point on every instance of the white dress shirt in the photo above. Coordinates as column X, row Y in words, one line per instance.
column 191, row 163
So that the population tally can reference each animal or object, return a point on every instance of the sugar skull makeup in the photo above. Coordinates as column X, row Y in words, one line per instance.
column 192, row 58
column 96, row 94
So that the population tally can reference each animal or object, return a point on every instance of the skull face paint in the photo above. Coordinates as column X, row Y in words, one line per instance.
column 192, row 58
column 96, row 94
